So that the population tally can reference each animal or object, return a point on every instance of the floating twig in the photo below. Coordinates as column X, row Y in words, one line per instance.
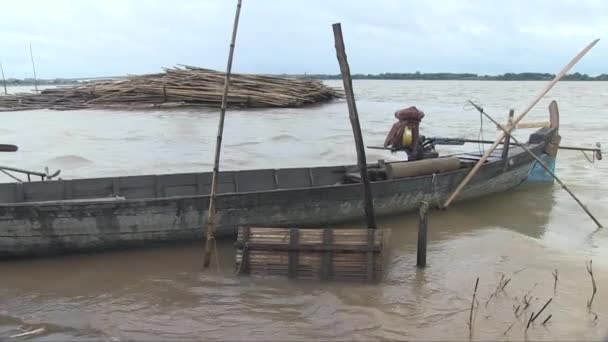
column 529, row 321
column 509, row 328
column 520, row 270
column 526, row 302
column 555, row 281
column 472, row 306
column 541, row 310
column 517, row 310
column 590, row 271
column 502, row 283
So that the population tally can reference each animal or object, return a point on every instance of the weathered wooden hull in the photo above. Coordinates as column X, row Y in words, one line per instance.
column 51, row 228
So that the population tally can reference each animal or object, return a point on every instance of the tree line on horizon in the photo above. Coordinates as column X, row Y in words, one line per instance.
column 448, row 76
column 435, row 76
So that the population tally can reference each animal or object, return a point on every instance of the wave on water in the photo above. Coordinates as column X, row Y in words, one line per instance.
column 284, row 137
column 244, row 144
column 70, row 160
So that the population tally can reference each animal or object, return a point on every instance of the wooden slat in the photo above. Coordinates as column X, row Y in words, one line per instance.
column 332, row 254
column 293, row 251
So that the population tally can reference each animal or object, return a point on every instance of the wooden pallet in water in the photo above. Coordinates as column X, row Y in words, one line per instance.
column 325, row 254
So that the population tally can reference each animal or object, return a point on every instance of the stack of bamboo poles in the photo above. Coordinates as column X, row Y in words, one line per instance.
column 183, row 86
column 326, row 254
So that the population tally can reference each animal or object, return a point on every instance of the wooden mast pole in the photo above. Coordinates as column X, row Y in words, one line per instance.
column 540, row 161
column 3, row 79
column 486, row 155
column 34, row 67
column 354, row 120
column 218, row 146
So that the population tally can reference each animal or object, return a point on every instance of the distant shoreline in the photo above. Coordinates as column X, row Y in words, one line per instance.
column 526, row 76
column 417, row 76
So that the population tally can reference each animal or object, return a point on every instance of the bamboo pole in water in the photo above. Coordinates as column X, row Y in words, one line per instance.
column 218, row 146
column 542, row 163
column 34, row 67
column 354, row 120
column 3, row 79
column 486, row 155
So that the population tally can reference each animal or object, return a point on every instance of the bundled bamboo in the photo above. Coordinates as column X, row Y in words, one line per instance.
column 183, row 86
column 332, row 254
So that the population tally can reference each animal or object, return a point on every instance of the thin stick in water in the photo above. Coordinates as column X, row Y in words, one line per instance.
column 541, row 310
column 509, row 328
column 472, row 306
column 529, row 321
column 555, row 281
column 590, row 271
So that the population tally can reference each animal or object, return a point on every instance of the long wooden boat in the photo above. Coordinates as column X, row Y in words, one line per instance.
column 51, row 217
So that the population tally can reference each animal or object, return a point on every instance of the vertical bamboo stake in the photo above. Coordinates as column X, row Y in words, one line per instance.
column 422, row 235
column 354, row 120
column 3, row 79
column 504, row 134
column 507, row 143
column 34, row 67
column 218, row 145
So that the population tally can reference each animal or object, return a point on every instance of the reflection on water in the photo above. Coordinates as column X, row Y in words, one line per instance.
column 161, row 293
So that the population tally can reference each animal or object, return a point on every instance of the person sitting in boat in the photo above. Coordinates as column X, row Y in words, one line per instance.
column 405, row 134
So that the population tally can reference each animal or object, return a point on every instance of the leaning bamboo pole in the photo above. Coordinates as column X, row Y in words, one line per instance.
column 545, row 90
column 210, row 238
column 3, row 79
column 34, row 67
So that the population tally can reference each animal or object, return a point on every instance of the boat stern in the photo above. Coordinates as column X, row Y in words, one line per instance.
column 539, row 174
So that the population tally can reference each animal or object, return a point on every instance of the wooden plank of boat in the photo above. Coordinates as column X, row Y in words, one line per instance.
column 80, row 200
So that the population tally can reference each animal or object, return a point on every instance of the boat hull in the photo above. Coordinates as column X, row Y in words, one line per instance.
column 56, row 228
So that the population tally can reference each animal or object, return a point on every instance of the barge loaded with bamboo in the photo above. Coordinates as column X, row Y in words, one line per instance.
column 179, row 87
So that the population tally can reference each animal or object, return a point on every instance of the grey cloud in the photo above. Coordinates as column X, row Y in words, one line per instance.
column 73, row 38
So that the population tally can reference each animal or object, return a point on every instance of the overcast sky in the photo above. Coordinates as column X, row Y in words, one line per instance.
column 81, row 38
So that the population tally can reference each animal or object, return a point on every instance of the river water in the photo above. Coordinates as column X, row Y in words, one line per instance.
column 162, row 293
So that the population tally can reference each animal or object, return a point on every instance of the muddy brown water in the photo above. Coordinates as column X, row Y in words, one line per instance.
column 162, row 293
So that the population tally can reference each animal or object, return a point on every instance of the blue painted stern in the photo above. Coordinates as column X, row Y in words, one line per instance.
column 538, row 174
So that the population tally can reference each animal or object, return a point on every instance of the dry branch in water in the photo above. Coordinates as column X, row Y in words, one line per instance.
column 183, row 86
column 502, row 283
column 517, row 310
column 472, row 306
column 555, row 281
column 509, row 328
column 529, row 321
column 541, row 310
column 590, row 271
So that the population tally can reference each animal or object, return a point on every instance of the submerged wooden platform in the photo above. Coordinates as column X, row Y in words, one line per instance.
column 324, row 254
